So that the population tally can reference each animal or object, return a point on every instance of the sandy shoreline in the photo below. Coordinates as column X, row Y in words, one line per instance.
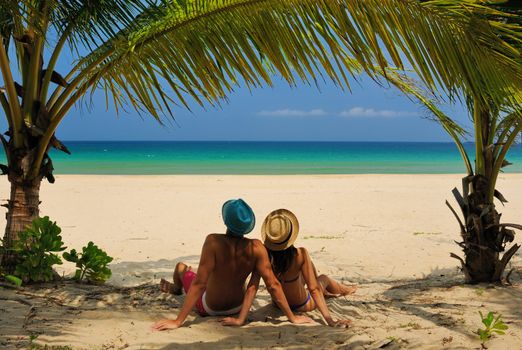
column 392, row 234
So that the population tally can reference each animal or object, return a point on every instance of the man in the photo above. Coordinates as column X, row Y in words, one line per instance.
column 226, row 262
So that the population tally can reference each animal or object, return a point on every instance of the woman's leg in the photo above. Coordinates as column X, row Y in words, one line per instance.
column 332, row 288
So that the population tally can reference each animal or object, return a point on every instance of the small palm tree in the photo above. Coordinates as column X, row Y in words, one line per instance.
column 484, row 237
column 156, row 53
column 496, row 127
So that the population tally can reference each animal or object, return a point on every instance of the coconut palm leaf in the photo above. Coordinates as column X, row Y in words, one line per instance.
column 88, row 23
column 203, row 48
column 6, row 25
column 412, row 89
column 503, row 16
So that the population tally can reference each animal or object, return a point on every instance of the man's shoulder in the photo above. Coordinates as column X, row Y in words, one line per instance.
column 256, row 243
column 221, row 237
column 213, row 236
column 258, row 247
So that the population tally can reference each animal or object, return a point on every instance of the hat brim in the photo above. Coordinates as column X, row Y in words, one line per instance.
column 293, row 234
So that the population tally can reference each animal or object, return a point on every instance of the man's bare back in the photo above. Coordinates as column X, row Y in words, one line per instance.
column 235, row 260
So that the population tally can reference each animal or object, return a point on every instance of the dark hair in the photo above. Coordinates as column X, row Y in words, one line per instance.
column 282, row 259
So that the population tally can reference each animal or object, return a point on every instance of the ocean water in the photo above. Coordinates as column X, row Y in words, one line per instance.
column 265, row 158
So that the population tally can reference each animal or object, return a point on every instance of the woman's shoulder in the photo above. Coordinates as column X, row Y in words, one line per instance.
column 302, row 254
column 302, row 251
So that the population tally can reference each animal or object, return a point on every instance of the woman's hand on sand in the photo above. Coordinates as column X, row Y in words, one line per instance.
column 301, row 319
column 231, row 321
column 166, row 324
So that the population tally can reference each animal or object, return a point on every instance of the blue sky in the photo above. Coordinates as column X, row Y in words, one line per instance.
column 307, row 113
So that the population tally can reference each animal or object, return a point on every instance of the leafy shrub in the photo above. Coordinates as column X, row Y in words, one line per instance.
column 493, row 325
column 91, row 263
column 34, row 250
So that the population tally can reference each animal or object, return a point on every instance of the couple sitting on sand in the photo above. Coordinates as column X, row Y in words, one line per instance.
column 218, row 288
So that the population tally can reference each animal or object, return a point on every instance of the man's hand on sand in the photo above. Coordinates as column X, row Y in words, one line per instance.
column 231, row 321
column 166, row 324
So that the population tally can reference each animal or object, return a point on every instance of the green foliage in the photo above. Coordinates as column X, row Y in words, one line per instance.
column 412, row 325
column 480, row 291
column 34, row 250
column 32, row 338
column 13, row 280
column 91, row 263
column 492, row 325
column 35, row 346
column 35, row 253
column 418, row 233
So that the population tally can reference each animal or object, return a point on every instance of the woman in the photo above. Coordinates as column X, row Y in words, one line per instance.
column 294, row 269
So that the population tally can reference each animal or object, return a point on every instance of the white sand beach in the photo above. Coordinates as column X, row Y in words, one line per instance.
column 390, row 234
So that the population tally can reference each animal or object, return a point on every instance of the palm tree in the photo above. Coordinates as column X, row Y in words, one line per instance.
column 484, row 237
column 496, row 127
column 156, row 53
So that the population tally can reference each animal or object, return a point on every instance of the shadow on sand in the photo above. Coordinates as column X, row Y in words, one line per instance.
column 59, row 310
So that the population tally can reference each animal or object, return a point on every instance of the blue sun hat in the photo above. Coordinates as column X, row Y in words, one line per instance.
column 238, row 217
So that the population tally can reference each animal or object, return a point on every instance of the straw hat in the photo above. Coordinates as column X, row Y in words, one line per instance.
column 279, row 230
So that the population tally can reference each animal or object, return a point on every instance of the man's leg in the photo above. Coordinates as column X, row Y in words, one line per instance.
column 332, row 288
column 176, row 287
column 183, row 277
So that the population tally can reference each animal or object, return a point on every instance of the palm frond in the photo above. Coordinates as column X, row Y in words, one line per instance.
column 94, row 21
column 6, row 24
column 409, row 87
column 506, row 125
column 203, row 48
column 504, row 17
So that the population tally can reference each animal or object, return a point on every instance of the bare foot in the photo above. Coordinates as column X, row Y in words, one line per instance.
column 168, row 287
column 347, row 290
column 328, row 295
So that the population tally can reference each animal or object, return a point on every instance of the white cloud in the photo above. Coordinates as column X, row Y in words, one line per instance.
column 360, row 112
column 355, row 112
column 287, row 112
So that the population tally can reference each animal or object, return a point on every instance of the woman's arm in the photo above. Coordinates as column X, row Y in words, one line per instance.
column 264, row 268
column 309, row 274
column 198, row 286
column 250, row 293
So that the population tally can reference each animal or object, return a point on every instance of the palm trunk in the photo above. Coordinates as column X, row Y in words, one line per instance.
column 484, row 238
column 23, row 207
column 482, row 252
column 483, row 249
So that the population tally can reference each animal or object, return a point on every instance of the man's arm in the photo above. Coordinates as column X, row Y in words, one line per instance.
column 264, row 269
column 250, row 293
column 198, row 286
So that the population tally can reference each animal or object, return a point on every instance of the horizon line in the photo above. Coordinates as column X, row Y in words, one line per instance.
column 266, row 141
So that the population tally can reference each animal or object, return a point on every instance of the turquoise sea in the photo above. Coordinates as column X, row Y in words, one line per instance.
column 104, row 157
